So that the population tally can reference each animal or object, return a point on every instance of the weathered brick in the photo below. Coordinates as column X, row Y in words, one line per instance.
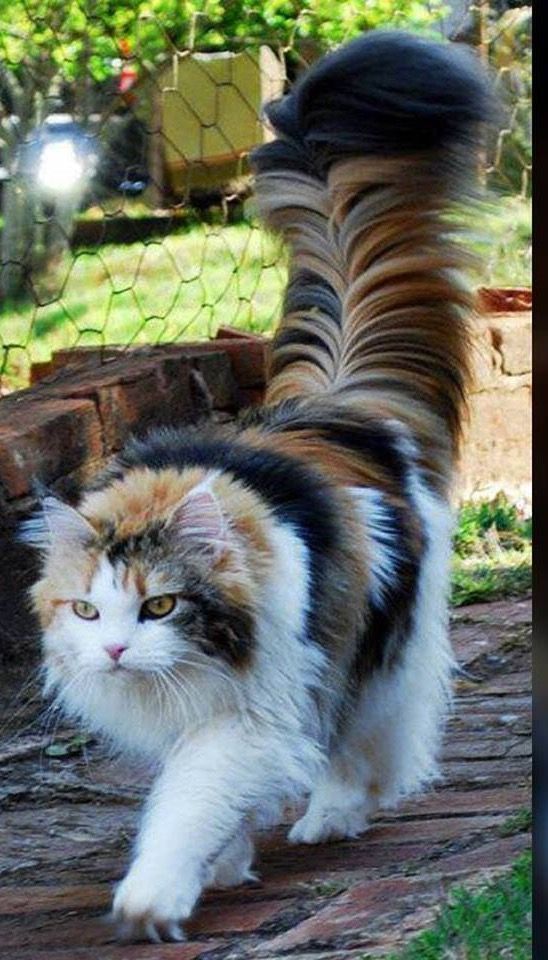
column 234, row 333
column 114, row 951
column 504, row 299
column 216, row 369
column 498, row 440
column 45, row 931
column 495, row 853
column 61, row 917
column 436, row 831
column 247, row 357
column 132, row 393
column 87, row 356
column 251, row 397
column 239, row 917
column 511, row 336
column 514, row 611
column 353, row 911
column 510, row 770
column 40, row 370
column 450, row 801
column 304, row 863
column 126, row 395
column 480, row 749
column 19, row 901
column 46, row 440
column 518, row 682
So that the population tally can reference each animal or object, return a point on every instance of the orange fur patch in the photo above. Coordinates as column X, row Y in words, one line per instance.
column 127, row 507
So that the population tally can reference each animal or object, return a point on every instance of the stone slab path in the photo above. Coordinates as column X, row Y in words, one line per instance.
column 67, row 823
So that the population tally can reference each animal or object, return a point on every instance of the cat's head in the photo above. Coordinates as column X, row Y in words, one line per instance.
column 152, row 580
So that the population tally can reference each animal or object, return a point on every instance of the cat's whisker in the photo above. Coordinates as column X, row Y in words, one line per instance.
column 164, row 700
column 56, row 714
column 178, row 686
column 196, row 699
column 216, row 670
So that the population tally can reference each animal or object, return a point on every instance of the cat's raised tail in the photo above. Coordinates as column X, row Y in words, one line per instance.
column 376, row 149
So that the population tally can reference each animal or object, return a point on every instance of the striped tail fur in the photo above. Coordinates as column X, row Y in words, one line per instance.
column 376, row 151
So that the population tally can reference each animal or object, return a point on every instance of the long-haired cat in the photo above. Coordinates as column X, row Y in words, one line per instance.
column 261, row 607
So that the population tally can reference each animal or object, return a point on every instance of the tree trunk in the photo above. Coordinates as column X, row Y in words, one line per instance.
column 18, row 237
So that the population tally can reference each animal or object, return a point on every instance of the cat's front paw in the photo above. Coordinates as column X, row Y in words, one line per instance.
column 152, row 906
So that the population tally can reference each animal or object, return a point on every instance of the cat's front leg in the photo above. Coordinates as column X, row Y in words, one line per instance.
column 153, row 900
column 208, row 786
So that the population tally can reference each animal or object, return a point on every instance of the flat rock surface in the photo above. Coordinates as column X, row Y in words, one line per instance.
column 67, row 824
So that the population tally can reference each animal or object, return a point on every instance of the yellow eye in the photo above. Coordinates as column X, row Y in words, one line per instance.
column 156, row 607
column 85, row 610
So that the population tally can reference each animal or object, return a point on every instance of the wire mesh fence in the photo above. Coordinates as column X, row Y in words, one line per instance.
column 127, row 206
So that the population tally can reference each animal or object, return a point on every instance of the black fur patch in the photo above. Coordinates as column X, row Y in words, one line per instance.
column 370, row 438
column 390, row 621
column 387, row 93
column 219, row 628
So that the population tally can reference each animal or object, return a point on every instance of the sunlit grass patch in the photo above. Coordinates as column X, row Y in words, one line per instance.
column 492, row 551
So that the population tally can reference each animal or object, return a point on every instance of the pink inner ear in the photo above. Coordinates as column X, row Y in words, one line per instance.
column 199, row 518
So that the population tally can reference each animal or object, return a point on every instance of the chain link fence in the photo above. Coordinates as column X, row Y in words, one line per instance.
column 127, row 214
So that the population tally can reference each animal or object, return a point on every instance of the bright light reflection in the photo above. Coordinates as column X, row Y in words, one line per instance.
column 59, row 169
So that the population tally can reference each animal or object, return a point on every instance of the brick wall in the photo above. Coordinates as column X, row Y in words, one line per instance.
column 84, row 403
column 497, row 452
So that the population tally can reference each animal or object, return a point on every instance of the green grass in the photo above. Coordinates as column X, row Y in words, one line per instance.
column 187, row 284
column 490, row 924
column 478, row 582
column 520, row 822
column 181, row 287
column 492, row 552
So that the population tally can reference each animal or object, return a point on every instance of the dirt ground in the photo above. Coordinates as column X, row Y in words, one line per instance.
column 67, row 823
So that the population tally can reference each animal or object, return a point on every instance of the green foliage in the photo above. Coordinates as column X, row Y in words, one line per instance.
column 486, row 925
column 68, row 748
column 505, row 242
column 520, row 822
column 496, row 522
column 84, row 36
column 509, row 44
column 492, row 552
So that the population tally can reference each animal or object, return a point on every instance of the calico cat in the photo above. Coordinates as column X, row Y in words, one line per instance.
column 261, row 606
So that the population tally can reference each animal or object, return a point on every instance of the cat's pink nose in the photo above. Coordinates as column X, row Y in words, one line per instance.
column 115, row 651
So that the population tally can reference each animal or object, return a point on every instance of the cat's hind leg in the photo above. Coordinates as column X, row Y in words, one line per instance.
column 389, row 750
column 233, row 865
column 389, row 747
column 340, row 804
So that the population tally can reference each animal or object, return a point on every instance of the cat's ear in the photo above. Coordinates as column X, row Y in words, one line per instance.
column 198, row 520
column 55, row 522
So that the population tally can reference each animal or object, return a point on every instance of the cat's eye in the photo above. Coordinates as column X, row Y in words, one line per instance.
column 157, row 607
column 85, row 610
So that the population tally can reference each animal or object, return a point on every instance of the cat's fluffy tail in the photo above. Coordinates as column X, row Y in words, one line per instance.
column 376, row 149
